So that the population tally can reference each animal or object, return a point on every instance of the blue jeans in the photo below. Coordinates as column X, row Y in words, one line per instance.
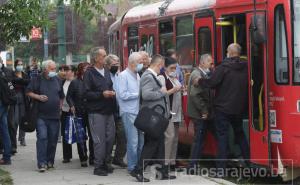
column 4, row 133
column 200, row 128
column 135, row 140
column 222, row 123
column 47, row 135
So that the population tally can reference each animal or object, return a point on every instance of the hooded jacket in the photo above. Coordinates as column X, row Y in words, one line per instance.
column 230, row 81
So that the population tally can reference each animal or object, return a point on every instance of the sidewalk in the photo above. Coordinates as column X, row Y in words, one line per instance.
column 24, row 171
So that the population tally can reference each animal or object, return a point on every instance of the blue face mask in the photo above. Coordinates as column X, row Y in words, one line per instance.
column 139, row 67
column 19, row 68
column 52, row 74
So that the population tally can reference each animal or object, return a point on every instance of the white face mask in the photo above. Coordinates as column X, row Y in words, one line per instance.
column 173, row 74
column 207, row 70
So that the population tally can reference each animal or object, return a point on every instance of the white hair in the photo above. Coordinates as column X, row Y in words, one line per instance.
column 134, row 58
column 47, row 63
column 204, row 58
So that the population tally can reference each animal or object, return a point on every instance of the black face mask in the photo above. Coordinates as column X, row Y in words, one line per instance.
column 114, row 69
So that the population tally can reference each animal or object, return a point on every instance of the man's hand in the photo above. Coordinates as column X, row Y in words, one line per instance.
column 109, row 94
column 175, row 90
column 196, row 81
column 164, row 90
column 72, row 109
column 42, row 98
column 205, row 116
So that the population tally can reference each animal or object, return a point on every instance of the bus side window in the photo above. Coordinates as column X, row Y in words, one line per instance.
column 165, row 36
column 281, row 57
column 185, row 40
column 204, row 41
column 133, row 39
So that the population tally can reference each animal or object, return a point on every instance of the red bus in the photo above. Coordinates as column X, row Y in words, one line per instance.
column 268, row 31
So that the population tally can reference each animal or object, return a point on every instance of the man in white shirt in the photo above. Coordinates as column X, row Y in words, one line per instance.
column 128, row 98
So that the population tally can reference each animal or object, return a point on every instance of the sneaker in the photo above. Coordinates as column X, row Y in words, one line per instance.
column 84, row 164
column 66, row 161
column 108, row 168
column 4, row 162
column 119, row 163
column 50, row 166
column 139, row 177
column 100, row 172
column 23, row 142
column 42, row 169
column 13, row 151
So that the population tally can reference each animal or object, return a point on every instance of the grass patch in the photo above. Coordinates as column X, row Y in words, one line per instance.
column 5, row 178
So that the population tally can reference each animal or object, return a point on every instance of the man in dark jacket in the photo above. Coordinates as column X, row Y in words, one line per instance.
column 100, row 106
column 230, row 80
column 47, row 90
column 6, row 74
column 199, row 108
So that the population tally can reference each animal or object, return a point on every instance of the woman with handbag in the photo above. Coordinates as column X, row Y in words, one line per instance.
column 76, row 101
column 169, row 80
column 17, row 112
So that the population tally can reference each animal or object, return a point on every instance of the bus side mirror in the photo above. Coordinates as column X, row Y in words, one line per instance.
column 258, row 29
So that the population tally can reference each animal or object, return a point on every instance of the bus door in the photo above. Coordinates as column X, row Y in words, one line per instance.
column 147, row 38
column 258, row 89
column 204, row 28
column 204, row 34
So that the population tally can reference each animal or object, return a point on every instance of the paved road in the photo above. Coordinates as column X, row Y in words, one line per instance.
column 24, row 172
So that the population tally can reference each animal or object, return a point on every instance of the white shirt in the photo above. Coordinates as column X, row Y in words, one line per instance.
column 66, row 107
column 203, row 71
column 152, row 71
column 101, row 71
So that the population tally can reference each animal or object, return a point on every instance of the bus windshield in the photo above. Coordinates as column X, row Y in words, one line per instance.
column 296, row 41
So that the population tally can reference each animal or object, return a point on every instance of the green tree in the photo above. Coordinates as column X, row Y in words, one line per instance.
column 18, row 17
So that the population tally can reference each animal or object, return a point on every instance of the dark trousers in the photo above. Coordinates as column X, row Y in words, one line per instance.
column 81, row 147
column 15, row 115
column 103, row 133
column 153, row 149
column 222, row 124
column 120, row 141
column 200, row 130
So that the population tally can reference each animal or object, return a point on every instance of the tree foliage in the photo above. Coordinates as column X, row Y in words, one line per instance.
column 18, row 17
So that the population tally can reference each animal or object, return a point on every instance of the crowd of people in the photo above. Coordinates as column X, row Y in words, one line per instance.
column 109, row 100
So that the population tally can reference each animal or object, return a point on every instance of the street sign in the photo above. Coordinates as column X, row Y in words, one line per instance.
column 23, row 39
column 36, row 33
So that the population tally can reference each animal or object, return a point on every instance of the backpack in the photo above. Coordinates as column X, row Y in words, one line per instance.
column 7, row 93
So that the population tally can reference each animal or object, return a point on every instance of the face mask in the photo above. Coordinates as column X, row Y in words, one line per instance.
column 139, row 67
column 52, row 74
column 19, row 68
column 114, row 69
column 207, row 70
column 173, row 74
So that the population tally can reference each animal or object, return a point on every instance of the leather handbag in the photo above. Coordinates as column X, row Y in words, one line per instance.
column 151, row 122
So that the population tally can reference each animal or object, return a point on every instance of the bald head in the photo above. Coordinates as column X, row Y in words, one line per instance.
column 234, row 50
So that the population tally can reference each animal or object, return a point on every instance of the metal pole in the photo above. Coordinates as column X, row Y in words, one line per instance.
column 61, row 32
column 46, row 42
column 45, row 35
